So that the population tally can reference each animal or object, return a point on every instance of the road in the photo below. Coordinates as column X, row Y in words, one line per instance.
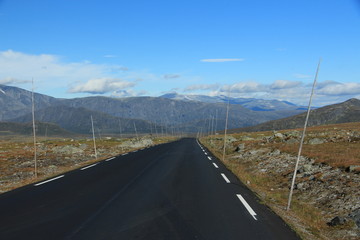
column 176, row 190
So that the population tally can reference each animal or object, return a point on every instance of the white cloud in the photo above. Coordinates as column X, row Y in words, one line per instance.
column 101, row 86
column 223, row 60
column 47, row 69
column 331, row 88
column 10, row 80
column 245, row 87
column 284, row 84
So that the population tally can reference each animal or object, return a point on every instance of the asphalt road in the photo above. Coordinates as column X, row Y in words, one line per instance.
column 170, row 191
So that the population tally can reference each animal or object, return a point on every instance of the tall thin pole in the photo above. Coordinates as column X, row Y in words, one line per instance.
column 120, row 128
column 136, row 131
column 93, row 132
column 34, row 128
column 302, row 137
column 226, row 125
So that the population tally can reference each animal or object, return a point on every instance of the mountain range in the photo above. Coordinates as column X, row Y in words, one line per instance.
column 167, row 113
column 348, row 111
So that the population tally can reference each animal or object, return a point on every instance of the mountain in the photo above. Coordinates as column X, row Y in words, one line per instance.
column 249, row 103
column 148, row 113
column 79, row 120
column 16, row 102
column 175, row 112
column 42, row 129
column 348, row 111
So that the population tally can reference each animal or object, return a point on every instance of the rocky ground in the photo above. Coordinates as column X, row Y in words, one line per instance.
column 326, row 201
column 59, row 155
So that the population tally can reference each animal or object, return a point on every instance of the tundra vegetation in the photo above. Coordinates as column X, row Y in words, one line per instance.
column 326, row 200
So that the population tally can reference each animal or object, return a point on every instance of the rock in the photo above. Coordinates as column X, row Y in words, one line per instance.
column 246, row 138
column 315, row 141
column 276, row 152
column 83, row 146
column 353, row 168
column 355, row 216
column 292, row 140
column 68, row 150
column 293, row 134
column 337, row 221
column 279, row 135
column 230, row 139
column 308, row 168
column 240, row 147
column 137, row 144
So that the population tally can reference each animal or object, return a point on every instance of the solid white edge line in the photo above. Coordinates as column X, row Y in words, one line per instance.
column 247, row 206
column 209, row 158
column 225, row 178
column 215, row 165
column 93, row 165
column 109, row 159
column 49, row 180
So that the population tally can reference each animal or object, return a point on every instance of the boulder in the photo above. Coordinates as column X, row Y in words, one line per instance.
column 240, row 147
column 337, row 221
column 315, row 141
column 355, row 216
column 68, row 150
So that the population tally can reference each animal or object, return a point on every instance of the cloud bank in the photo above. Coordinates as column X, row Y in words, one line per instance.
column 101, row 86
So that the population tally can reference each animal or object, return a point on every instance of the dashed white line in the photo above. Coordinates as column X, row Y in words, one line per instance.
column 109, row 159
column 247, row 206
column 209, row 158
column 206, row 153
column 216, row 166
column 124, row 154
column 225, row 178
column 93, row 165
column 52, row 179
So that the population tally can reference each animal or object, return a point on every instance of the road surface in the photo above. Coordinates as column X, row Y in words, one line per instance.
column 176, row 190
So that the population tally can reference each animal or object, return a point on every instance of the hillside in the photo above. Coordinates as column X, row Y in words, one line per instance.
column 348, row 111
column 43, row 129
column 249, row 103
column 79, row 120
column 16, row 102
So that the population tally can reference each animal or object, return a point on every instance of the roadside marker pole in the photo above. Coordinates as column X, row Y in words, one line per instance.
column 34, row 127
column 226, row 125
column 302, row 138
column 92, row 126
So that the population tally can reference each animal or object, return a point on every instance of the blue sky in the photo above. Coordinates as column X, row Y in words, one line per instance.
column 255, row 48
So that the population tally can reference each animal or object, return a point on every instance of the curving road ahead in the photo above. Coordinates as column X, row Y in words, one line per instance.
column 170, row 191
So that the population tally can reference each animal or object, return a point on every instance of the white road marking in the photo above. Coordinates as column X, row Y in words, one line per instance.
column 209, row 158
column 247, row 206
column 225, row 178
column 216, row 166
column 124, row 154
column 93, row 165
column 52, row 179
column 205, row 153
column 109, row 159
